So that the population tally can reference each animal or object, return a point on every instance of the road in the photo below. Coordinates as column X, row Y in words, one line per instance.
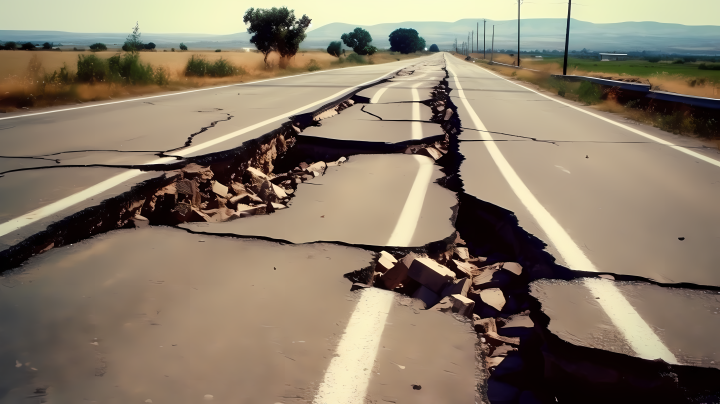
column 256, row 309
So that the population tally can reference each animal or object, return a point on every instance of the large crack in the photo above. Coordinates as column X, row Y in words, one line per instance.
column 488, row 240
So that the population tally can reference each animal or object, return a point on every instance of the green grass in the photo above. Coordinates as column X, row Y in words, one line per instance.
column 638, row 68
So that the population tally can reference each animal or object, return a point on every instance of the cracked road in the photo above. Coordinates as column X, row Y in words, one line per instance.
column 224, row 244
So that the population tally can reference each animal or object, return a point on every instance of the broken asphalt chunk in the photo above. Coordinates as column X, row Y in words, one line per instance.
column 456, row 304
column 219, row 189
column 493, row 297
column 431, row 274
column 484, row 325
column 427, row 296
column 513, row 267
column 193, row 170
column 430, row 151
column 399, row 272
column 385, row 262
column 462, row 253
column 463, row 269
column 448, row 114
column 456, row 287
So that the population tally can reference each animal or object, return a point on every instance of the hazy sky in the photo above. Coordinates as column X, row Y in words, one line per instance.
column 225, row 16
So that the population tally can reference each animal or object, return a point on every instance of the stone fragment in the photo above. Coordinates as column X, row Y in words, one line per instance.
column 431, row 274
column 456, row 304
column 399, row 272
column 318, row 167
column 297, row 130
column 281, row 194
column 341, row 160
column 430, row 151
column 513, row 267
column 219, row 189
column 385, row 262
column 427, row 296
column 462, row 253
column 463, row 269
column 356, row 286
column 254, row 178
column 493, row 362
column 493, row 297
column 448, row 114
column 245, row 210
column 193, row 170
column 456, row 287
column 303, row 166
column 278, row 206
column 484, row 325
column 266, row 192
column 496, row 339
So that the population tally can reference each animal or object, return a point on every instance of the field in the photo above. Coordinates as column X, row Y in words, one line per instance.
column 21, row 75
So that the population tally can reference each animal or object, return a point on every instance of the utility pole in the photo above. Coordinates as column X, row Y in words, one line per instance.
column 518, row 58
column 477, row 37
column 492, row 50
column 567, row 39
column 484, row 46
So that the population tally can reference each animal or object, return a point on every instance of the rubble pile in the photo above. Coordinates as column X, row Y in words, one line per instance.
column 196, row 196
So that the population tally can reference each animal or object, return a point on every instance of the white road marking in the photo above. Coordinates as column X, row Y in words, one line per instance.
column 380, row 92
column 416, row 124
column 57, row 206
column 563, row 169
column 175, row 93
column 347, row 378
column 636, row 331
column 407, row 222
column 696, row 155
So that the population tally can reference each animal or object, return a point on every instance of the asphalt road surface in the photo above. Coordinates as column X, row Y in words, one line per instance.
column 257, row 309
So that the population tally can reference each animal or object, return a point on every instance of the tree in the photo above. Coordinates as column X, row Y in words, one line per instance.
column 335, row 48
column 98, row 47
column 434, row 48
column 149, row 46
column 27, row 46
column 359, row 39
column 10, row 45
column 133, row 43
column 405, row 40
column 183, row 46
column 421, row 46
column 276, row 30
column 47, row 45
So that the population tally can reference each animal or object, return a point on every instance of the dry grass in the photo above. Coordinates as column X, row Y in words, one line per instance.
column 21, row 76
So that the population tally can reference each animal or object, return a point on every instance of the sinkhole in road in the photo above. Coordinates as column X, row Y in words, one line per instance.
column 485, row 273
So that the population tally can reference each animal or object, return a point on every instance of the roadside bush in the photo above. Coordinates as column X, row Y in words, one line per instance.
column 355, row 58
column 218, row 50
column 172, row 49
column 96, row 47
column 589, row 93
column 313, row 65
column 198, row 66
column 91, row 69
column 335, row 48
column 62, row 77
column 697, row 82
column 127, row 69
column 677, row 122
column 182, row 46
column 704, row 66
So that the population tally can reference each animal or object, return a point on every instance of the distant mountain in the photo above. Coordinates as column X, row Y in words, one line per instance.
column 539, row 33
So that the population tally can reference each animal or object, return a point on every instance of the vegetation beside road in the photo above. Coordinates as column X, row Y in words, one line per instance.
column 686, row 122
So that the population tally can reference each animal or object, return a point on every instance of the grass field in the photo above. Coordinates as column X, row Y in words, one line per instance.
column 22, row 72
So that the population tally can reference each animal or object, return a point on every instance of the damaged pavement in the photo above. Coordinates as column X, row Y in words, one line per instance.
column 234, row 271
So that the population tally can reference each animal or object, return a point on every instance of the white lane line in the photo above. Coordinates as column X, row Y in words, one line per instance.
column 347, row 378
column 636, row 331
column 407, row 222
column 376, row 98
column 416, row 125
column 689, row 152
column 177, row 93
column 103, row 186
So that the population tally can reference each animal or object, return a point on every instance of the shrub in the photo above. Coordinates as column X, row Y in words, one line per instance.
column 10, row 45
column 313, row 65
column 62, row 77
column 198, row 66
column 355, row 58
column 335, row 48
column 689, row 60
column 678, row 62
column 91, row 69
column 434, row 48
column 589, row 93
column 127, row 69
column 98, row 47
column 182, row 46
column 27, row 46
column 149, row 46
column 218, row 50
column 699, row 82
column 704, row 66
column 172, row 49
column 677, row 122
column 47, row 45
column 653, row 59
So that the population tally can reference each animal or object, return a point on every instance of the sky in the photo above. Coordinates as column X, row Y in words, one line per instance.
column 225, row 16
